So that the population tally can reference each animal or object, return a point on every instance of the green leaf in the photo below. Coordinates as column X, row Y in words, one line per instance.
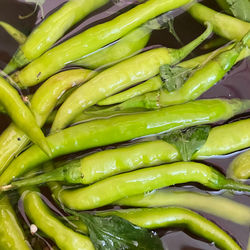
column 188, row 141
column 174, row 77
column 239, row 8
column 113, row 232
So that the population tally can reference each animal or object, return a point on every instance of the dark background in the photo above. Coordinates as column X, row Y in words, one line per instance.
column 235, row 84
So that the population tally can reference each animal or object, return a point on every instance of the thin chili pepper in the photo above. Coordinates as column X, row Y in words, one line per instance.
column 21, row 115
column 215, row 43
column 13, row 32
column 240, row 167
column 92, row 40
column 11, row 234
column 204, row 202
column 107, row 163
column 119, row 77
column 51, row 29
column 223, row 25
column 153, row 218
column 13, row 140
column 42, row 217
column 152, row 84
column 129, row 45
column 123, row 128
column 114, row 188
column 198, row 83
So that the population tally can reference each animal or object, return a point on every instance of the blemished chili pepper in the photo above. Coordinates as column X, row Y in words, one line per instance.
column 226, row 26
column 21, row 115
column 13, row 32
column 13, row 140
column 11, row 234
column 129, row 45
column 198, row 83
column 114, row 188
column 51, row 29
column 64, row 237
column 240, row 167
column 119, row 77
column 92, row 40
column 107, row 163
column 213, row 204
column 153, row 218
column 123, row 128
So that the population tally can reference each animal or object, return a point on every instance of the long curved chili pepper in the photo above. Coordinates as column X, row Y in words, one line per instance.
column 107, row 163
column 21, row 115
column 51, row 29
column 240, row 167
column 119, row 77
column 198, row 83
column 92, row 39
column 204, row 202
column 11, row 234
column 42, row 217
column 123, row 128
column 114, row 188
column 153, row 218
column 223, row 25
column 13, row 140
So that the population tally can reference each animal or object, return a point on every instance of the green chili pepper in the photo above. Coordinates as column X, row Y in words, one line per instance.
column 223, row 25
column 11, row 234
column 92, row 39
column 153, row 218
column 119, row 77
column 13, row 140
column 104, row 164
column 215, row 43
column 16, row 34
column 51, row 29
column 212, row 204
column 114, row 188
column 198, row 83
column 129, row 45
column 240, row 167
column 21, row 115
column 123, row 128
column 41, row 216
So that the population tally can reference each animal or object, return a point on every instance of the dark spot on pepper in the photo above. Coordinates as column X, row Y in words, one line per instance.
column 19, row 139
column 38, row 74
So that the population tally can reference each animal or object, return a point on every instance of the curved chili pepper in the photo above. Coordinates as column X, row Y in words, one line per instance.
column 114, row 188
column 21, row 115
column 119, row 77
column 92, row 40
column 13, row 140
column 50, row 30
column 153, row 218
column 42, row 217
column 123, row 128
column 11, row 234
column 101, row 165
column 212, row 204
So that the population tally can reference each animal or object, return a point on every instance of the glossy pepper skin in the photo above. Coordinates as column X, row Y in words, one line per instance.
column 226, row 26
column 123, row 128
column 21, row 115
column 240, row 167
column 205, row 77
column 92, row 40
column 64, row 237
column 11, row 234
column 213, row 204
column 52, row 29
column 114, row 188
column 13, row 140
column 119, row 77
column 101, row 165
